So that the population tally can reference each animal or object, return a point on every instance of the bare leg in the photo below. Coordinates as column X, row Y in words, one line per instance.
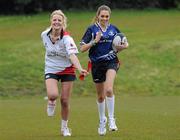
column 110, row 98
column 52, row 92
column 110, row 76
column 52, row 89
column 101, row 108
column 66, row 88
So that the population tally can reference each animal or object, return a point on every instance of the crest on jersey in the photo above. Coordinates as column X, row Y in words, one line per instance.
column 71, row 45
column 45, row 45
column 111, row 33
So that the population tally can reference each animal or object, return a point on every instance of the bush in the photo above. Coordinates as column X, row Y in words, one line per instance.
column 34, row 6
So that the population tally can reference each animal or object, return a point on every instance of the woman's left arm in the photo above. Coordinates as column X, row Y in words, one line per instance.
column 74, row 59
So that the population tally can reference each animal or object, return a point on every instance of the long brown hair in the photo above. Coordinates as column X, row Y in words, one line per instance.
column 102, row 7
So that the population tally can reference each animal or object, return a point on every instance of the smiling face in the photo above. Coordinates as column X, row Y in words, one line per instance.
column 57, row 22
column 104, row 17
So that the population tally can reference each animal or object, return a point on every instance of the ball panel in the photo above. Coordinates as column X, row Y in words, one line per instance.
column 119, row 39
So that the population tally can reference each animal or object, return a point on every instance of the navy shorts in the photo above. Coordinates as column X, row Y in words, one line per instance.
column 63, row 78
column 99, row 69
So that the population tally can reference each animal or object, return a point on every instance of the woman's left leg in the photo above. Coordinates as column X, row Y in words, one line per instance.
column 66, row 88
column 110, row 98
column 109, row 83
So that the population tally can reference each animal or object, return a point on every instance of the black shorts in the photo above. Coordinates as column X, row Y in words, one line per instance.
column 63, row 78
column 99, row 69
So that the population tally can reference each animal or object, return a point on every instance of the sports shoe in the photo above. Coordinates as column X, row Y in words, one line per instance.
column 51, row 108
column 65, row 131
column 112, row 125
column 102, row 127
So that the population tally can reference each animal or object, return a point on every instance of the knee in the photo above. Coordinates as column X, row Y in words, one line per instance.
column 101, row 99
column 109, row 92
column 64, row 102
column 52, row 96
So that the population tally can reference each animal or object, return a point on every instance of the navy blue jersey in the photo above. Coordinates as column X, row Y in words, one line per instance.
column 102, row 51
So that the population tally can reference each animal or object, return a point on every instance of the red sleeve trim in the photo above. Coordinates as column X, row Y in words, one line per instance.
column 66, row 33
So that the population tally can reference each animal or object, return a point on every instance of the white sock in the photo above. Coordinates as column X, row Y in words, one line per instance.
column 64, row 123
column 110, row 101
column 101, row 109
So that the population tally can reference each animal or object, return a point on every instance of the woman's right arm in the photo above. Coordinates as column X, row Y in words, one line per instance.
column 87, row 46
column 84, row 47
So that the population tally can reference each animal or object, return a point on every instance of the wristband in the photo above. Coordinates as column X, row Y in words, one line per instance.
column 93, row 43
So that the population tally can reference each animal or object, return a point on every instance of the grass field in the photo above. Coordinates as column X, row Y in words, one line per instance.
column 138, row 118
column 149, row 67
column 147, row 85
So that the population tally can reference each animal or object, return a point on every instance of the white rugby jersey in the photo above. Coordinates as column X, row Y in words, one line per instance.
column 57, row 54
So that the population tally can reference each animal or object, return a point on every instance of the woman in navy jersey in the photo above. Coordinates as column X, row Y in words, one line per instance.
column 98, row 41
column 60, row 64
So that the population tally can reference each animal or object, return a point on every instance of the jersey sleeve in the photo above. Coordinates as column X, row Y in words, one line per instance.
column 87, row 37
column 44, row 35
column 43, row 38
column 117, row 30
column 70, row 45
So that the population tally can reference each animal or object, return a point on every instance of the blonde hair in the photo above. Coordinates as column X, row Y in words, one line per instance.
column 101, row 8
column 59, row 12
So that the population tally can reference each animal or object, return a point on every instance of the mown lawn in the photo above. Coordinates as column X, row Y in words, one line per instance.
column 149, row 67
column 138, row 118
column 147, row 85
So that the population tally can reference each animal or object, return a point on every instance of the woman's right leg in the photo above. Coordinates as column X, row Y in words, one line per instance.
column 52, row 93
column 100, row 100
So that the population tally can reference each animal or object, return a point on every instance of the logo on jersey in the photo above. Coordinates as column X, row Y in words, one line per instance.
column 111, row 33
column 47, row 76
column 46, row 45
column 71, row 45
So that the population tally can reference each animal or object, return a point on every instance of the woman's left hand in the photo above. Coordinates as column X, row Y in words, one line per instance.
column 122, row 46
column 83, row 72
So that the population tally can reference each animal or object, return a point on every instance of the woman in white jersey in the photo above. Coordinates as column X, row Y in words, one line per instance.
column 60, row 64
column 98, row 41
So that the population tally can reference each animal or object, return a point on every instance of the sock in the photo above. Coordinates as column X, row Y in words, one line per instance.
column 101, row 109
column 52, row 102
column 64, row 123
column 110, row 101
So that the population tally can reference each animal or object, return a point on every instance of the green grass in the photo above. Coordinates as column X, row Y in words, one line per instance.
column 149, row 70
column 149, row 67
column 138, row 118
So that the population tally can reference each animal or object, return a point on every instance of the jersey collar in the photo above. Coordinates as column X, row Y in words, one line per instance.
column 98, row 24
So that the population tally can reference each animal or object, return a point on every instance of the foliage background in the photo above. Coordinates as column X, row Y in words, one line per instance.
column 36, row 6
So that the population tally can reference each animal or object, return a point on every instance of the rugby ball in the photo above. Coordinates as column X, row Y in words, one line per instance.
column 119, row 39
